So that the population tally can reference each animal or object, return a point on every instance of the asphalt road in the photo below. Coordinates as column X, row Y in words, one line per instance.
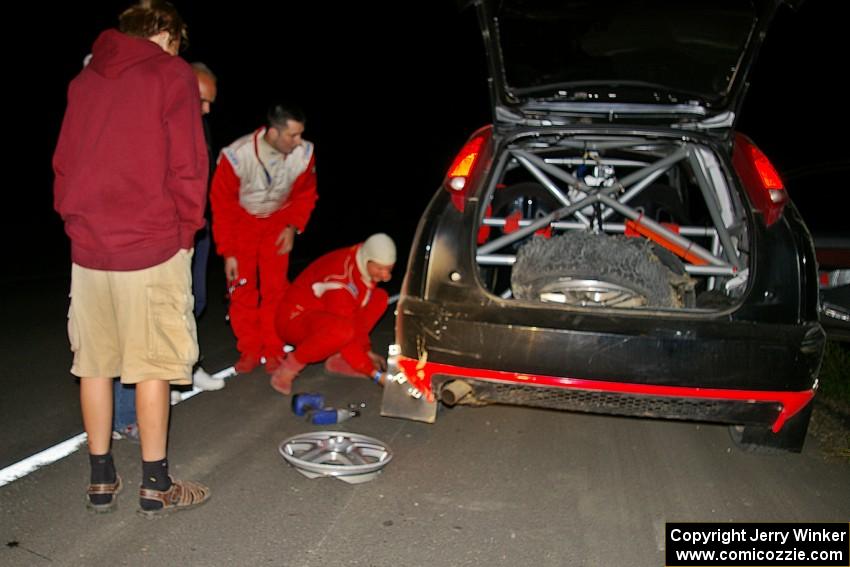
column 482, row 486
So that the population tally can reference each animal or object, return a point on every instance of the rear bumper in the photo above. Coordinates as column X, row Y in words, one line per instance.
column 692, row 352
column 771, row 408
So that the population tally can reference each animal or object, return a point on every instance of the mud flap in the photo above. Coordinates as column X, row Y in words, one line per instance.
column 399, row 402
column 401, row 399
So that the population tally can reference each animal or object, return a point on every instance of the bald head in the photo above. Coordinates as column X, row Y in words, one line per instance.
column 206, row 84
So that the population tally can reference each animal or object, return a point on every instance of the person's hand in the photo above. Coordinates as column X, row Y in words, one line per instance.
column 231, row 268
column 379, row 361
column 285, row 240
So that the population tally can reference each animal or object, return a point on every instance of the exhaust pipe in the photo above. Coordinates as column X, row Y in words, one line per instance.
column 454, row 392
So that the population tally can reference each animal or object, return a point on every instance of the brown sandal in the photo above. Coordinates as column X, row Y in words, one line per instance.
column 182, row 495
column 106, row 489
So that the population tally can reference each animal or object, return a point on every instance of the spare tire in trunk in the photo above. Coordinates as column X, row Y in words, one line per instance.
column 585, row 269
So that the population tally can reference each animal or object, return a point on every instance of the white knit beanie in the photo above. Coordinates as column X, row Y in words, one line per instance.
column 379, row 248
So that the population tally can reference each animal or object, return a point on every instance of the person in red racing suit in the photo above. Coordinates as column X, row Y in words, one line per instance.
column 263, row 192
column 330, row 308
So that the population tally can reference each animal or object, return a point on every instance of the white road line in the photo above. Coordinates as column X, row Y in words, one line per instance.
column 65, row 448
column 51, row 455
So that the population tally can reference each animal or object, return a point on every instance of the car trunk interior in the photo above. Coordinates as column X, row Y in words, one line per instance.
column 613, row 221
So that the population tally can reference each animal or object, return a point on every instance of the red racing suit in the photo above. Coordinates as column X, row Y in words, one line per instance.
column 331, row 307
column 256, row 193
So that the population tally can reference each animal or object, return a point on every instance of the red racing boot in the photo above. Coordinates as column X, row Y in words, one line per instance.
column 273, row 362
column 336, row 364
column 246, row 363
column 282, row 378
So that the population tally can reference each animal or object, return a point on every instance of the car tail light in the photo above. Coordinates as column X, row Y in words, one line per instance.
column 760, row 178
column 463, row 167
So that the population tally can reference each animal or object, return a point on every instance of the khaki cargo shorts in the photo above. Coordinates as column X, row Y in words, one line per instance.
column 137, row 325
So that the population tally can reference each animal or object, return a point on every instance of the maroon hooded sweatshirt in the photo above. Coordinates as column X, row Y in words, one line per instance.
column 131, row 160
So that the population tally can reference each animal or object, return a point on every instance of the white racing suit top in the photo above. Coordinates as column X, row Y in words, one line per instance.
column 266, row 174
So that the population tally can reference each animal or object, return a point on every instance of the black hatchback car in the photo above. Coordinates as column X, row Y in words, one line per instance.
column 610, row 243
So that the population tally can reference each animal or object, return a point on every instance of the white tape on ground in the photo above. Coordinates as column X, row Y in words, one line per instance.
column 65, row 448
column 226, row 373
column 31, row 464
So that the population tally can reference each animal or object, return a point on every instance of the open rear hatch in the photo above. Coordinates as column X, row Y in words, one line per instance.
column 637, row 61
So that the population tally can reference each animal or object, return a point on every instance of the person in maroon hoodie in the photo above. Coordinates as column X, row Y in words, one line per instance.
column 131, row 170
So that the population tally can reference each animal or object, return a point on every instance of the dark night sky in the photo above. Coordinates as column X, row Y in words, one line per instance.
column 391, row 92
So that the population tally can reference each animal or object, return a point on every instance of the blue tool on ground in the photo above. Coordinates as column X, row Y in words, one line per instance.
column 302, row 403
column 330, row 415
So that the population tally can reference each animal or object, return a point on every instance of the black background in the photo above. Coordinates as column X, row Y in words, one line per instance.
column 391, row 92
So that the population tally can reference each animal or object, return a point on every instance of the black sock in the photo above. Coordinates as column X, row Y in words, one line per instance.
column 155, row 477
column 102, row 468
column 102, row 472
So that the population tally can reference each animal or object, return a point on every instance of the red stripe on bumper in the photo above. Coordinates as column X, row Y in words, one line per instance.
column 419, row 374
